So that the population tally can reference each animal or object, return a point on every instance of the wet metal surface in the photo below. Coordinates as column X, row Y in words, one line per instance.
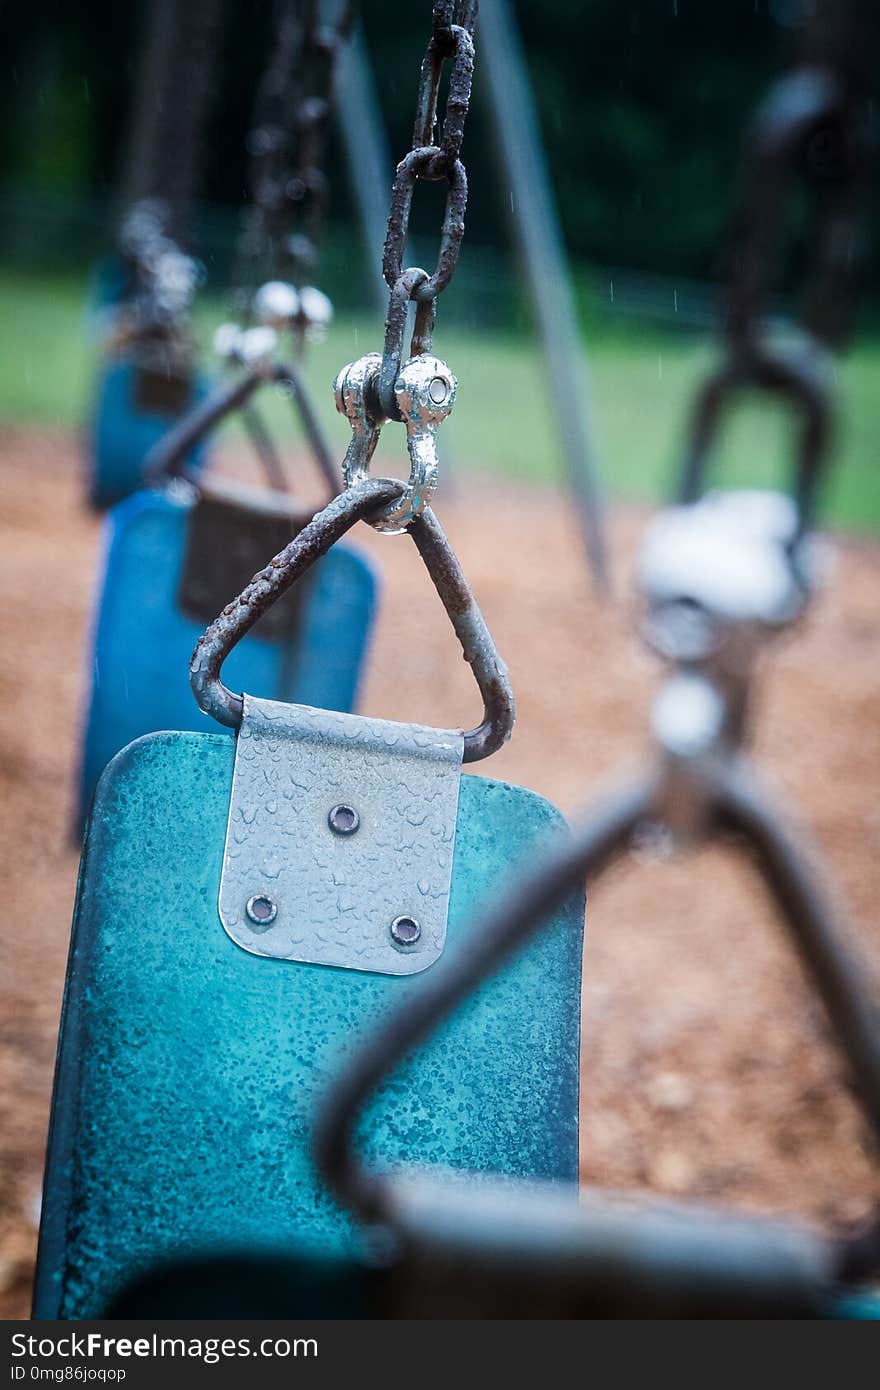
column 336, row 894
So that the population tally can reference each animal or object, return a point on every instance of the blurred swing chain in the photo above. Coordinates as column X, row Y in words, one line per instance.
column 164, row 158
column 813, row 127
column 152, row 319
column 421, row 392
column 288, row 185
column 810, row 125
column 289, row 196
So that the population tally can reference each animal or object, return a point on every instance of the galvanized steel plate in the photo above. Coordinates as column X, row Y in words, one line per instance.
column 293, row 887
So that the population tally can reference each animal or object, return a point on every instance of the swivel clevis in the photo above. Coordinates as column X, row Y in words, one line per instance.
column 424, row 394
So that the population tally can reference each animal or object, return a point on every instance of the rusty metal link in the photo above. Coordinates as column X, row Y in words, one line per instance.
column 431, row 158
column 451, row 38
column 361, row 502
column 395, row 331
column 306, row 188
column 805, row 111
column 418, row 164
column 799, row 377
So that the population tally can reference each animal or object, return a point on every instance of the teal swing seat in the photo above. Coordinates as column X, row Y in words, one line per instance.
column 196, row 1038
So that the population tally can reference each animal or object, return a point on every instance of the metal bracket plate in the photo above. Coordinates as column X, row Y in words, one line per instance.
column 340, row 838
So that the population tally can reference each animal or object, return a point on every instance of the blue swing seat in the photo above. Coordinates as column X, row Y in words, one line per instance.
column 126, row 425
column 143, row 639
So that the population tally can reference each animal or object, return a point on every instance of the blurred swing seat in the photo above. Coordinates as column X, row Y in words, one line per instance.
column 197, row 1035
column 173, row 558
column 135, row 406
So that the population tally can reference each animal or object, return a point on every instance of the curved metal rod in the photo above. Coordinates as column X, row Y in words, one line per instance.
column 264, row 448
column 502, row 1249
column 288, row 377
column 399, row 299
column 740, row 808
column 359, row 503
column 523, row 1250
column 167, row 458
column 603, row 836
column 795, row 376
column 745, row 809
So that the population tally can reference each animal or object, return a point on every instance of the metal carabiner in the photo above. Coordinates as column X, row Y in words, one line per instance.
column 360, row 503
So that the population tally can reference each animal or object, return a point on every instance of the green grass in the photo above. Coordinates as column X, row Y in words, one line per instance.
column 640, row 381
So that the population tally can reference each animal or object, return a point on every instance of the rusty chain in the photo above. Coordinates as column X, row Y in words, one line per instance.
column 278, row 247
column 811, row 130
column 286, row 145
column 163, row 165
column 420, row 392
column 813, row 126
column 434, row 157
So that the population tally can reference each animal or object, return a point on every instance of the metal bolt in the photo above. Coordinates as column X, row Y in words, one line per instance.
column 262, row 911
column 343, row 820
column 405, row 931
column 438, row 390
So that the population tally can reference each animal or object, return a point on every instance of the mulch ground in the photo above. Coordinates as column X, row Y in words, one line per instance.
column 706, row 1066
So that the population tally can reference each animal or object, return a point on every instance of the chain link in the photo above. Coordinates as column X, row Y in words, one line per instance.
column 808, row 130
column 419, row 393
column 812, row 129
column 432, row 158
